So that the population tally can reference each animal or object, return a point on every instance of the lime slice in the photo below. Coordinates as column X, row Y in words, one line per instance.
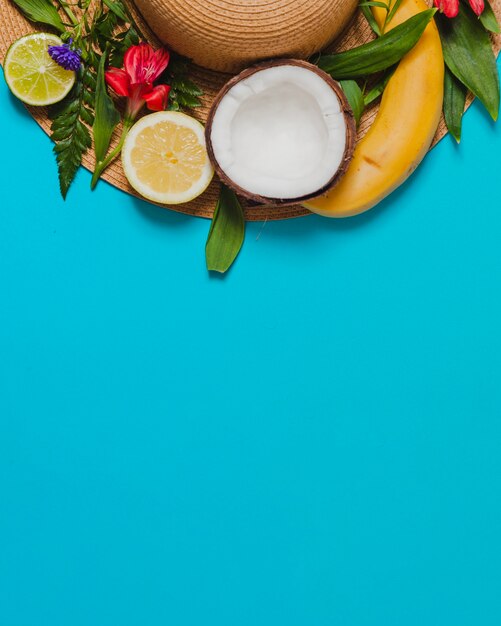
column 165, row 159
column 32, row 75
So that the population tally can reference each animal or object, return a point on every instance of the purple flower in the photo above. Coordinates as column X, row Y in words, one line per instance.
column 66, row 56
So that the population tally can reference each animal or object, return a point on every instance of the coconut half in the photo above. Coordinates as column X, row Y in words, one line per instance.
column 281, row 132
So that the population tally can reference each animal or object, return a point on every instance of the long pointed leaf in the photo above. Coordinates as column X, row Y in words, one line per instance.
column 42, row 12
column 370, row 19
column 106, row 115
column 469, row 56
column 379, row 54
column 378, row 89
column 489, row 19
column 392, row 12
column 226, row 233
column 454, row 103
column 355, row 98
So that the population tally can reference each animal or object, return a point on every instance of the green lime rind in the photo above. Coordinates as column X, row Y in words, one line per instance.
column 33, row 77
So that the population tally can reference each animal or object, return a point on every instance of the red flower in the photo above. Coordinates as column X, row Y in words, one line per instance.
column 478, row 6
column 142, row 66
column 451, row 7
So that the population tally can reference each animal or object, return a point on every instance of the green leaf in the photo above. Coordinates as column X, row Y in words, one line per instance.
column 187, row 101
column 120, row 44
column 454, row 103
column 355, row 98
column 378, row 88
column 186, row 86
column 106, row 115
column 379, row 54
column 370, row 18
column 103, row 29
column 87, row 116
column 374, row 3
column 489, row 19
column 226, row 233
column 184, row 92
column 41, row 11
column 71, row 136
column 391, row 13
column 118, row 9
column 469, row 56
column 121, row 10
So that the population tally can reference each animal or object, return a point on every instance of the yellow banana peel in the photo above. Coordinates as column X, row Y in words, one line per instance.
column 404, row 127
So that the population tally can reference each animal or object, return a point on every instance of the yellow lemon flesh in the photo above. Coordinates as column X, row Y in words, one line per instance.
column 165, row 159
column 32, row 75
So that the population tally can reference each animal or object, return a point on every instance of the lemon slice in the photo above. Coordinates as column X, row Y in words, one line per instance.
column 32, row 75
column 165, row 159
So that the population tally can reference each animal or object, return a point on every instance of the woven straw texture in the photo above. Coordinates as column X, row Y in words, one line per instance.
column 230, row 35
column 13, row 25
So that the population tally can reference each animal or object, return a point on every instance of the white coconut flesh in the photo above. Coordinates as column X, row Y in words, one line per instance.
column 280, row 133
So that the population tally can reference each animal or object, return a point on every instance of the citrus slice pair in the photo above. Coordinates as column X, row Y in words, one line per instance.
column 164, row 156
column 32, row 75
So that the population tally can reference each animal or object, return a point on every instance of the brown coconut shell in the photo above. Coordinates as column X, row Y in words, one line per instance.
column 351, row 133
column 229, row 35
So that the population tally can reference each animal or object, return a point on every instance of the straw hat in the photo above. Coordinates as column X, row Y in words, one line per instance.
column 229, row 36
column 13, row 25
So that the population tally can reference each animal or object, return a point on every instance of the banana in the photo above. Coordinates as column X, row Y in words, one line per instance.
column 404, row 127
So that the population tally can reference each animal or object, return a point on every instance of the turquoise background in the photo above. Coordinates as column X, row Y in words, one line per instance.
column 312, row 440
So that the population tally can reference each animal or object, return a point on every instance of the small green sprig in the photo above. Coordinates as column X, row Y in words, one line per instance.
column 389, row 7
column 69, row 130
column 184, row 94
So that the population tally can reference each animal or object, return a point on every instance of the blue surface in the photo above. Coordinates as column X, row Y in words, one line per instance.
column 313, row 440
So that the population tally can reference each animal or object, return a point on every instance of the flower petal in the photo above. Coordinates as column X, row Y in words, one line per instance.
column 134, row 60
column 449, row 7
column 136, row 99
column 162, row 58
column 478, row 6
column 158, row 98
column 66, row 56
column 143, row 64
column 118, row 80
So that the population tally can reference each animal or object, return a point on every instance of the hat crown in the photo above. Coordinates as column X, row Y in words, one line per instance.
column 228, row 35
